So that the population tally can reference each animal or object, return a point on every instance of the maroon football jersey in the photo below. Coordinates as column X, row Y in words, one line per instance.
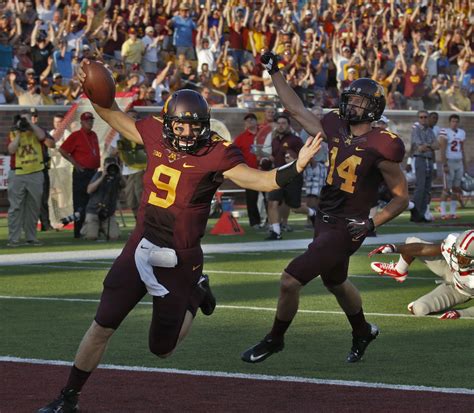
column 353, row 178
column 178, row 186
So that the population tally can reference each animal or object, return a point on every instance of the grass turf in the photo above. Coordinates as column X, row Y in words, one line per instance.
column 417, row 351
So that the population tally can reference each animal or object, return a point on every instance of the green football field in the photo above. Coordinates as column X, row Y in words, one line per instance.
column 46, row 308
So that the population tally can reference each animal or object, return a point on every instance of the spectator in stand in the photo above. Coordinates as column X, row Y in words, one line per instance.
column 133, row 50
column 150, row 58
column 62, row 59
column 183, row 26
column 414, row 78
column 245, row 142
column 165, row 94
column 30, row 97
column 210, row 99
column 81, row 149
column 206, row 52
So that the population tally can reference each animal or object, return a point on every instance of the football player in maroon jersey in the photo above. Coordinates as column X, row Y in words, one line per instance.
column 360, row 157
column 186, row 163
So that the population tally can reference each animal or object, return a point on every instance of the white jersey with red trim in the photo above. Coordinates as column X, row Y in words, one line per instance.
column 463, row 281
column 454, row 140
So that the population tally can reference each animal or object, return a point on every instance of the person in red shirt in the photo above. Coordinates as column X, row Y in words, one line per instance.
column 245, row 142
column 81, row 148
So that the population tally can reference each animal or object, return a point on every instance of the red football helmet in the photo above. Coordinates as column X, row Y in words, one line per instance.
column 186, row 105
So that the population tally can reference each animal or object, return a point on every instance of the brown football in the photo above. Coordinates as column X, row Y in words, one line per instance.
column 99, row 85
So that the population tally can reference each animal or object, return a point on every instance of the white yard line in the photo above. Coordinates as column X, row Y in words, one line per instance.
column 238, row 247
column 223, row 306
column 263, row 377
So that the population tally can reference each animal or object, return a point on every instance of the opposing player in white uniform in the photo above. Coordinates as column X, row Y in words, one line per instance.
column 454, row 164
column 452, row 260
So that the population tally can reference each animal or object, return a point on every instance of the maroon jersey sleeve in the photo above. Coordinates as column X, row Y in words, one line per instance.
column 231, row 156
column 387, row 145
column 150, row 129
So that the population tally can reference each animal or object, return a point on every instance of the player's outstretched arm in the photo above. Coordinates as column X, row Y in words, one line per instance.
column 414, row 249
column 397, row 185
column 114, row 116
column 266, row 181
column 289, row 98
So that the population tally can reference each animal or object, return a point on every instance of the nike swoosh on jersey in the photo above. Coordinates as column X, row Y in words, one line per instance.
column 256, row 358
column 359, row 149
column 144, row 248
column 185, row 165
column 195, row 267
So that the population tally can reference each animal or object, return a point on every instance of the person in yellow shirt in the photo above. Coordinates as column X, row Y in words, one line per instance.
column 25, row 183
column 133, row 49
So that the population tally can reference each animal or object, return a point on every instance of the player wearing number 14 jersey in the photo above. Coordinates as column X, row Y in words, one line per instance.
column 186, row 163
column 360, row 157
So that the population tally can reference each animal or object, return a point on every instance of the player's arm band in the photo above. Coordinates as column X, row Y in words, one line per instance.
column 286, row 173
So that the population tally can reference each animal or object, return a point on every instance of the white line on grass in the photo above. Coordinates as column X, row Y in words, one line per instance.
column 263, row 377
column 229, row 307
column 84, row 268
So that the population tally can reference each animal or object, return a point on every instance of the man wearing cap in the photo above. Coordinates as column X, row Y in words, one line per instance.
column 30, row 97
column 25, row 185
column 245, row 142
column 59, row 90
column 150, row 58
column 133, row 49
column 183, row 26
column 81, row 148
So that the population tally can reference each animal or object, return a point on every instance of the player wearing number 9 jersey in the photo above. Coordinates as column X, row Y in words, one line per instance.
column 186, row 163
column 360, row 157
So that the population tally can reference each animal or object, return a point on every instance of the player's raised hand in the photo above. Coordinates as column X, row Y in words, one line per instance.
column 309, row 149
column 383, row 249
column 270, row 62
column 450, row 315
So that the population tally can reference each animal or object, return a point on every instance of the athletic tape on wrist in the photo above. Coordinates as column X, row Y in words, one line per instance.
column 286, row 173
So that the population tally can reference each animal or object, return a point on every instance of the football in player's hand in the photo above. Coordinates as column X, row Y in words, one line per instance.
column 99, row 86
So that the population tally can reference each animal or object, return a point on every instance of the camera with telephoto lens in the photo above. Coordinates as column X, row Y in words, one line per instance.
column 71, row 218
column 112, row 169
column 21, row 124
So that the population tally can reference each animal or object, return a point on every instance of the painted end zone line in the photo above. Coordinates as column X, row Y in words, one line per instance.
column 248, row 376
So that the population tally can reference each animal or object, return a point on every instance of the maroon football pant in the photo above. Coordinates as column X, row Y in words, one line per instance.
column 123, row 289
column 328, row 255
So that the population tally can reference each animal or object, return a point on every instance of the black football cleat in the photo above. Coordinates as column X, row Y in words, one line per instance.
column 262, row 350
column 273, row 236
column 208, row 303
column 67, row 402
column 360, row 344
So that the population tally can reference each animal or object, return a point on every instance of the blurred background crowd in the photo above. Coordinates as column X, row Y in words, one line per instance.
column 421, row 52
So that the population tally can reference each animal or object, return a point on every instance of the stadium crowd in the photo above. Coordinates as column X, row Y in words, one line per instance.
column 421, row 52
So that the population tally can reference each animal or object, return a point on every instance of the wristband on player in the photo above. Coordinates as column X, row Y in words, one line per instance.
column 286, row 173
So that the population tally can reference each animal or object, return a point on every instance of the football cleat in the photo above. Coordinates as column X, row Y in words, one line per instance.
column 67, row 402
column 273, row 236
column 208, row 303
column 410, row 307
column 360, row 344
column 261, row 351
column 390, row 269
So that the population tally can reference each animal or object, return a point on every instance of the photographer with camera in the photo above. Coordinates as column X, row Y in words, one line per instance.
column 103, row 189
column 25, row 186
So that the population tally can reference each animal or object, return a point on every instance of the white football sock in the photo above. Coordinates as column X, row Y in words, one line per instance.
column 402, row 265
column 276, row 228
column 311, row 212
